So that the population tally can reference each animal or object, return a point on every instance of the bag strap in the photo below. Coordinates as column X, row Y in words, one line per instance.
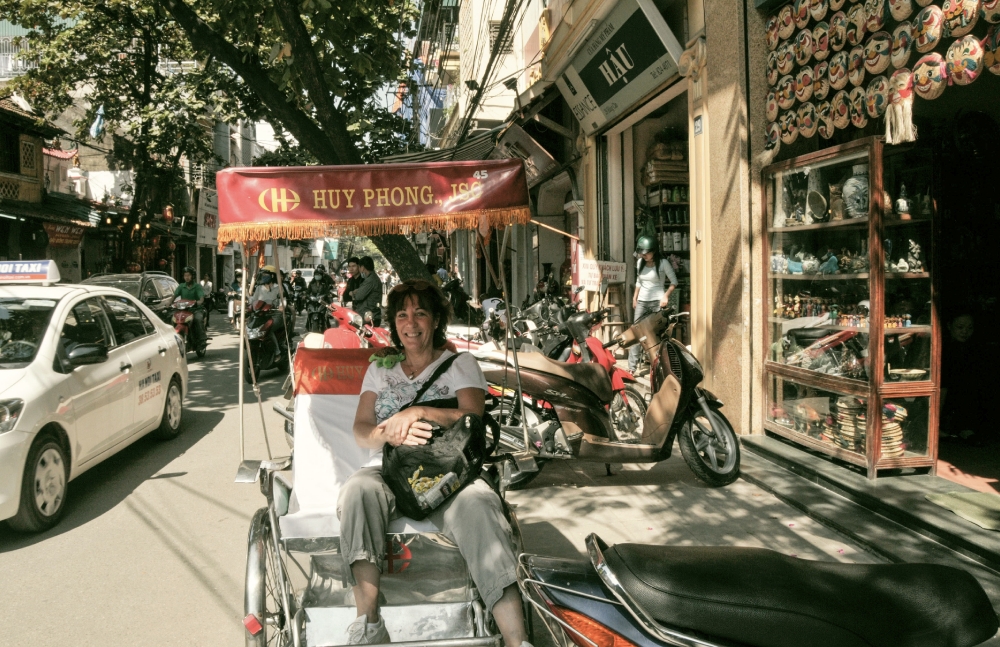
column 438, row 372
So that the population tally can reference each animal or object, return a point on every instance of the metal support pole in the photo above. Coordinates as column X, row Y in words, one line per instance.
column 510, row 336
column 281, row 297
column 243, row 334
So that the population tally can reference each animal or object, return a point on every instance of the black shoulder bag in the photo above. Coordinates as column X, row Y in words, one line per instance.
column 423, row 477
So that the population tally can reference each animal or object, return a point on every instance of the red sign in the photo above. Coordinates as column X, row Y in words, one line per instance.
column 258, row 204
column 331, row 371
column 63, row 235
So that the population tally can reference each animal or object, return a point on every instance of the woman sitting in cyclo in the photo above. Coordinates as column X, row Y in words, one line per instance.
column 472, row 518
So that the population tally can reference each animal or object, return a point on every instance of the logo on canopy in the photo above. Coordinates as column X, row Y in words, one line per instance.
column 276, row 200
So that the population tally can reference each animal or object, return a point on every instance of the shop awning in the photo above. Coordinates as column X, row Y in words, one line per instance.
column 258, row 204
column 57, row 208
column 474, row 148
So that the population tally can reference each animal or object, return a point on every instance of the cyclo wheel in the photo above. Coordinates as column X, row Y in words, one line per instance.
column 263, row 589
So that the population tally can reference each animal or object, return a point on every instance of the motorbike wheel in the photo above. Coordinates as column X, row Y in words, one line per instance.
column 710, row 448
column 627, row 418
column 263, row 589
column 248, row 375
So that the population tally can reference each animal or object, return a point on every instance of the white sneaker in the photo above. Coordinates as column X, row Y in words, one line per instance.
column 361, row 633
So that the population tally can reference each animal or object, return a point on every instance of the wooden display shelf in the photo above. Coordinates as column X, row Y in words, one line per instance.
column 864, row 329
column 819, row 225
column 907, row 275
column 892, row 222
column 819, row 277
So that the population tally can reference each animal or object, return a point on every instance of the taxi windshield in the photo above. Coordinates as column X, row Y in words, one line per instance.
column 23, row 323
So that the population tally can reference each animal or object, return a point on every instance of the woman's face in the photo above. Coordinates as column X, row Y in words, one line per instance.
column 415, row 326
column 961, row 328
column 647, row 256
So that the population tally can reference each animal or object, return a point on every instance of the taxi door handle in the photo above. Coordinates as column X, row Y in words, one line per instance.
column 161, row 350
column 125, row 367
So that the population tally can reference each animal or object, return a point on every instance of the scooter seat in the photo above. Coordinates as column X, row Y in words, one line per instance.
column 588, row 374
column 758, row 597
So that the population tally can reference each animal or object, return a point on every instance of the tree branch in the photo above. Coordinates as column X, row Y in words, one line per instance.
column 204, row 38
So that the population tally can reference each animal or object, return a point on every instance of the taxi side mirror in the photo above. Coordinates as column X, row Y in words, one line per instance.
column 84, row 354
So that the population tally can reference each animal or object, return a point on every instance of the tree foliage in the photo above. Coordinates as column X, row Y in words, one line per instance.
column 124, row 57
column 317, row 68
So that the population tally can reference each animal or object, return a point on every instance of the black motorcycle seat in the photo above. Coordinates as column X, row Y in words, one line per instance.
column 590, row 375
column 762, row 598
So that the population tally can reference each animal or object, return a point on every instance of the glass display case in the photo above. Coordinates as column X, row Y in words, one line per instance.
column 851, row 324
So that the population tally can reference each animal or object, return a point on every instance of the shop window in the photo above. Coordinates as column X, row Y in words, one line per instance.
column 10, row 152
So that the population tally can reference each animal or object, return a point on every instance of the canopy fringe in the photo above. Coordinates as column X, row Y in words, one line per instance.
column 248, row 233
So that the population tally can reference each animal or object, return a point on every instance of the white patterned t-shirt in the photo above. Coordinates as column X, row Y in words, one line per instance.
column 393, row 389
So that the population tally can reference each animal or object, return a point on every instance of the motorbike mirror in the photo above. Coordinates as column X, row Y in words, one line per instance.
column 369, row 319
column 578, row 289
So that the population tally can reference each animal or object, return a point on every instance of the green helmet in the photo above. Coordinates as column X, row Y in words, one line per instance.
column 645, row 244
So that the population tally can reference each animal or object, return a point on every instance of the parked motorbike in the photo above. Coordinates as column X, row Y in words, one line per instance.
column 234, row 306
column 702, row 596
column 183, row 317
column 267, row 350
column 464, row 312
column 568, row 411
column 371, row 335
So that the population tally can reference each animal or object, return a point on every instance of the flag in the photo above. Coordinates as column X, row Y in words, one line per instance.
column 97, row 128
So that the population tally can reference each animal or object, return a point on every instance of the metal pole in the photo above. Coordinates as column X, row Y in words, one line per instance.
column 510, row 335
column 281, row 296
column 243, row 334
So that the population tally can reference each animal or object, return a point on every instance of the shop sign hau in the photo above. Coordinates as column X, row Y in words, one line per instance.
column 631, row 53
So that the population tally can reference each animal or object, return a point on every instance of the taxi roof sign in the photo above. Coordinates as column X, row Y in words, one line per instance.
column 29, row 272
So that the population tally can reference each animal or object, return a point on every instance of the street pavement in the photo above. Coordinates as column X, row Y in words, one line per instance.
column 152, row 548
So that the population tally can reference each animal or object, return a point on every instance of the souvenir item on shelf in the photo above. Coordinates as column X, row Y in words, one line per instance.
column 991, row 11
column 807, row 119
column 877, row 97
column 816, row 207
column 856, row 66
column 965, row 60
column 824, row 117
column 789, row 127
column 786, row 24
column 874, row 15
column 900, row 10
column 771, row 33
column 859, row 115
column 800, row 13
column 991, row 50
column 786, row 92
column 779, row 265
column 786, row 58
column 840, row 107
column 821, row 41
column 836, row 201
column 915, row 256
column 829, row 264
column 836, row 5
column 927, row 28
column 810, row 264
column 903, row 204
column 902, row 45
column 960, row 16
column 818, row 8
column 856, row 19
column 821, row 80
column 771, row 106
column 877, row 52
column 930, row 76
column 924, row 3
column 856, row 191
column 804, row 84
column 839, row 65
column 772, row 68
column 899, row 114
column 902, row 266
column 838, row 31
column 803, row 47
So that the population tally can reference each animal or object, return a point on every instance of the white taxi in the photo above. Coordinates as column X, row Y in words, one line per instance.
column 85, row 371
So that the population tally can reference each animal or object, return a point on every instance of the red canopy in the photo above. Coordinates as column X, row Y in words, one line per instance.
column 257, row 204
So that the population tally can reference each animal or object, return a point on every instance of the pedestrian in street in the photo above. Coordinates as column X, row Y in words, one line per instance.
column 368, row 295
column 354, row 280
column 652, row 271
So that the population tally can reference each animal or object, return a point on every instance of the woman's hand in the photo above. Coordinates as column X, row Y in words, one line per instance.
column 405, row 428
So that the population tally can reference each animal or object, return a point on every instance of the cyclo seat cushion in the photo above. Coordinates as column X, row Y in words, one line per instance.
column 762, row 598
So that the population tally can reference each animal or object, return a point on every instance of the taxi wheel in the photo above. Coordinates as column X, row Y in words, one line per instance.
column 170, row 424
column 43, row 486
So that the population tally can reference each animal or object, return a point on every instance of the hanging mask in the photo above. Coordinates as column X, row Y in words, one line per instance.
column 900, row 9
column 991, row 50
column 807, row 120
column 800, row 13
column 824, row 117
column 960, row 16
column 877, row 52
column 838, row 31
column 856, row 19
column 902, row 45
column 856, row 66
column 804, row 84
column 965, row 60
column 788, row 121
column 821, row 41
column 874, row 15
column 771, row 33
column 927, row 28
column 803, row 47
column 821, row 80
column 786, row 24
column 930, row 76
column 840, row 109
column 877, row 97
column 991, row 11
column 859, row 114
column 818, row 9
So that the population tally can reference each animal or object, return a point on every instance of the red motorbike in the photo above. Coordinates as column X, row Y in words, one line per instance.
column 183, row 320
column 350, row 330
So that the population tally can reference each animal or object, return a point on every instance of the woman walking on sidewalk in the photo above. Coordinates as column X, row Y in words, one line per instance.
column 652, row 271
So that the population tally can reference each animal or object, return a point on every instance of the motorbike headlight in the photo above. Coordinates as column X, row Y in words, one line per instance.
column 255, row 333
column 356, row 320
column 10, row 411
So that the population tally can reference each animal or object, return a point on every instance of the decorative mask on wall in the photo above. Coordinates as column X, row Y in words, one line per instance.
column 960, row 16
column 991, row 11
column 807, row 119
column 900, row 10
column 839, row 65
column 877, row 97
column 800, row 13
column 902, row 45
column 821, row 80
column 874, row 15
column 838, row 31
column 786, row 24
column 786, row 92
column 856, row 66
column 859, row 115
column 840, row 108
column 804, row 84
column 771, row 106
column 991, row 50
column 965, row 60
column 803, row 47
column 821, row 41
column 930, row 76
column 877, row 52
column 788, row 121
column 856, row 19
column 927, row 28
column 818, row 9
column 771, row 33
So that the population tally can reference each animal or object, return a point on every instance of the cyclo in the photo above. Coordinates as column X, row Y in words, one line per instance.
column 296, row 591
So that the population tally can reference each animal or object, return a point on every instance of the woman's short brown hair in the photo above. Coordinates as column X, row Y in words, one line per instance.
column 430, row 298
